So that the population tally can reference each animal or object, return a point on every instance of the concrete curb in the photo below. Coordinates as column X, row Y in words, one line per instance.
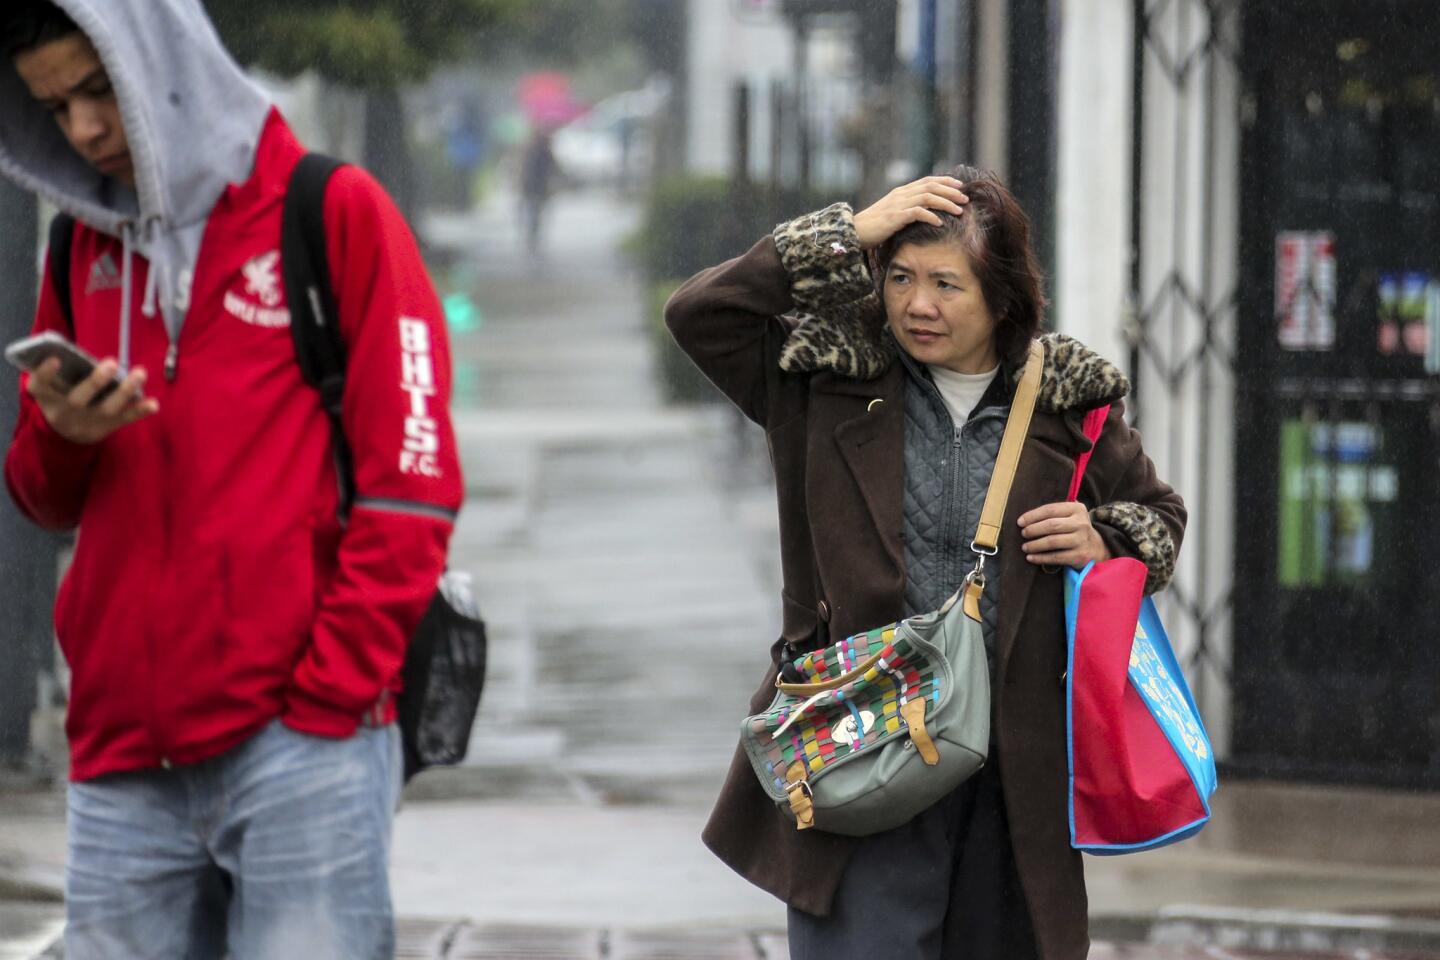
column 26, row 936
column 1195, row 927
column 1273, row 930
column 29, row 884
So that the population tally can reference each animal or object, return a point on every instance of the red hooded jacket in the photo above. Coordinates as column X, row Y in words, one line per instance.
column 212, row 587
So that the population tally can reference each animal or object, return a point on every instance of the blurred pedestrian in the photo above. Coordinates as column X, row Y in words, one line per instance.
column 884, row 401
column 537, row 181
column 467, row 147
column 234, row 647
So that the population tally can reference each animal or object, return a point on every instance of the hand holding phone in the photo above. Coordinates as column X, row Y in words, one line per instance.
column 83, row 400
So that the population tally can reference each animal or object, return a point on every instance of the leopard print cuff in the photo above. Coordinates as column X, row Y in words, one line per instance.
column 1146, row 532
column 845, row 338
column 821, row 253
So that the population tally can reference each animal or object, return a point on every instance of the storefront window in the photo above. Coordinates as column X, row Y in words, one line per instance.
column 1339, row 365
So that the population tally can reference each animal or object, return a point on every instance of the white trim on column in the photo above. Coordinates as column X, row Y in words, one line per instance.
column 992, row 86
column 1093, row 177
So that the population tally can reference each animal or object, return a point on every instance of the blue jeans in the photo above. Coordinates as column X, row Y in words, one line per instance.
column 278, row 848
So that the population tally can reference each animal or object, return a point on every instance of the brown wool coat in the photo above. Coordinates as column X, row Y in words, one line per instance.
column 838, row 460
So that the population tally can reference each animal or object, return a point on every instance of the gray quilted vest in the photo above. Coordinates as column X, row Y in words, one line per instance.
column 947, row 474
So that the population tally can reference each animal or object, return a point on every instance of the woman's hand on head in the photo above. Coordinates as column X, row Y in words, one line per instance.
column 1060, row 534
column 911, row 203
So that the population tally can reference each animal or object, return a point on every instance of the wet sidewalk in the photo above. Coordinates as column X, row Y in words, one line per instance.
column 654, row 529
column 460, row 940
column 558, row 876
column 624, row 553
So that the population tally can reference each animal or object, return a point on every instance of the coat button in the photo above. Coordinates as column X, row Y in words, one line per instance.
column 824, row 610
column 165, row 763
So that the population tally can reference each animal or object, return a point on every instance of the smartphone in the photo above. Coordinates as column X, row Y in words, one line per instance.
column 75, row 364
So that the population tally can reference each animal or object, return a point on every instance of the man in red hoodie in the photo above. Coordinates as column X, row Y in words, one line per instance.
column 234, row 645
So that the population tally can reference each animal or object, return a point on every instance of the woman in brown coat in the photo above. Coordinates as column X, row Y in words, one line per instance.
column 883, row 401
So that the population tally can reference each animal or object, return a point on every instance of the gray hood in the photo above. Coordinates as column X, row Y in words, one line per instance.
column 193, row 120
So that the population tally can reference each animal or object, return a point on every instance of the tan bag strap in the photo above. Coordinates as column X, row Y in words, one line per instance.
column 992, row 516
column 1017, row 427
column 806, row 689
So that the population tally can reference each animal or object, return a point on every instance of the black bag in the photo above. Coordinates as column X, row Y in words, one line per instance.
column 444, row 673
column 444, row 670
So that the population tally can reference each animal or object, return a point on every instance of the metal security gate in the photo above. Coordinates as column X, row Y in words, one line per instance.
column 1183, row 300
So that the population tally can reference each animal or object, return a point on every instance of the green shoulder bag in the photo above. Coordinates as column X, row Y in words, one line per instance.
column 887, row 722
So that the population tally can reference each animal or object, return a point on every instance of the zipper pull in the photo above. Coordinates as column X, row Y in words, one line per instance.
column 172, row 363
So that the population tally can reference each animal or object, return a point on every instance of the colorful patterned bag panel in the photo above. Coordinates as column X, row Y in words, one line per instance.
column 1156, row 673
column 833, row 726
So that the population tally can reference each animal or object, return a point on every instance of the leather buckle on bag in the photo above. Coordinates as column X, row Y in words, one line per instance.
column 802, row 799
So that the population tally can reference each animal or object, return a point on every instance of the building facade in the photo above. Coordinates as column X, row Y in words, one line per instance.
column 1236, row 199
column 1246, row 211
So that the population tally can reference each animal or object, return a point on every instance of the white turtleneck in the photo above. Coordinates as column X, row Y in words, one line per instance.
column 961, row 391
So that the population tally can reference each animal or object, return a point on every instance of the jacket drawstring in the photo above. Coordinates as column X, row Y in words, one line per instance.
column 147, row 307
column 155, row 281
column 127, row 243
column 157, row 285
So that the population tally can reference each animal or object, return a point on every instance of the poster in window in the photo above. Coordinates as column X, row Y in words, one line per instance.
column 1305, row 286
column 1334, row 485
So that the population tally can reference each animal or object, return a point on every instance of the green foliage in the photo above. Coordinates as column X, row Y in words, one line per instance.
column 559, row 33
column 689, row 225
column 680, row 380
column 378, row 44
column 372, row 44
column 696, row 222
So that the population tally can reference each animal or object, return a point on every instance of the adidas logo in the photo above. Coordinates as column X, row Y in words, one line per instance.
column 104, row 275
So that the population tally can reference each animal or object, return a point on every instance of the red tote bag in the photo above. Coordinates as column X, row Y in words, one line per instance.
column 1141, row 767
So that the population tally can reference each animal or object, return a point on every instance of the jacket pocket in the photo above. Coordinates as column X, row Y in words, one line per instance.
column 270, row 599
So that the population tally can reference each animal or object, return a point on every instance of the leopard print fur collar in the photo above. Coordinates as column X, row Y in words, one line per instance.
column 847, row 342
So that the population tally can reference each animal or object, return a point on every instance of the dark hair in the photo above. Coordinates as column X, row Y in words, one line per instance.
column 995, row 234
column 32, row 23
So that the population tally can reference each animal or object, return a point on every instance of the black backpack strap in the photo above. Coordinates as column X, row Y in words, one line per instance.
column 62, row 241
column 314, row 313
